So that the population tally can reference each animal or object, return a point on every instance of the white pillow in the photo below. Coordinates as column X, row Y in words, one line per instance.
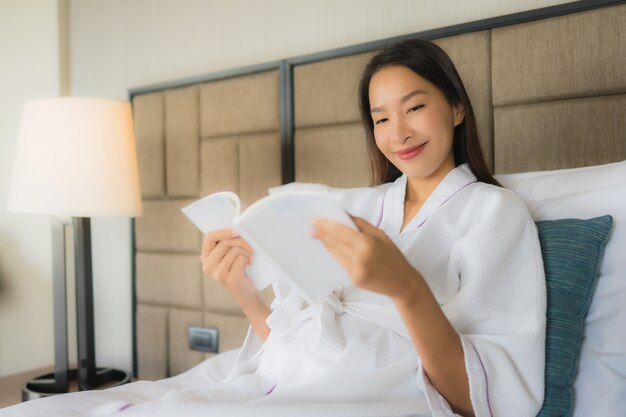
column 600, row 385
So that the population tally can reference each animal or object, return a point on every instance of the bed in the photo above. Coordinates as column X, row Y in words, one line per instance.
column 549, row 95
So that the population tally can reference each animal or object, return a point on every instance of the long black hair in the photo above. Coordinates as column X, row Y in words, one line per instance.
column 431, row 63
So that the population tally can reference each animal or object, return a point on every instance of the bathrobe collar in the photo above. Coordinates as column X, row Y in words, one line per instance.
column 393, row 204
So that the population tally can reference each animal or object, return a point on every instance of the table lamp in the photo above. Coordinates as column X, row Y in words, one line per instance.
column 75, row 158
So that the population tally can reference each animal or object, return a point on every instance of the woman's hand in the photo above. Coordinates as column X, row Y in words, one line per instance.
column 375, row 263
column 224, row 257
column 371, row 259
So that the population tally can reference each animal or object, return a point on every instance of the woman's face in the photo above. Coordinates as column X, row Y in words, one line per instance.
column 413, row 122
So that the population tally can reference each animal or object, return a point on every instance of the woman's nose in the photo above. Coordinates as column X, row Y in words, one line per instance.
column 402, row 131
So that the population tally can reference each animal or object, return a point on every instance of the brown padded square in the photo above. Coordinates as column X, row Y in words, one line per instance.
column 259, row 165
column 182, row 142
column 169, row 279
column 334, row 155
column 149, row 121
column 180, row 356
column 164, row 227
column 580, row 54
column 471, row 55
column 325, row 92
column 560, row 134
column 267, row 295
column 152, row 326
column 219, row 165
column 240, row 105
column 217, row 299
column 232, row 329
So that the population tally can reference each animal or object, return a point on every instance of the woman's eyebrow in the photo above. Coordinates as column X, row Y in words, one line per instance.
column 403, row 99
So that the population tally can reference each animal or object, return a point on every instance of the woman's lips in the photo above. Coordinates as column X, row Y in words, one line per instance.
column 411, row 152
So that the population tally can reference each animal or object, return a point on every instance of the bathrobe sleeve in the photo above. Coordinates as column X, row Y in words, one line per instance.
column 499, row 310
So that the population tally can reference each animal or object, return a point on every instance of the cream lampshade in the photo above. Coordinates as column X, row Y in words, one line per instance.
column 75, row 157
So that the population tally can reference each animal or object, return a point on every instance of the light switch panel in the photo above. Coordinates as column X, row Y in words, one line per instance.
column 204, row 339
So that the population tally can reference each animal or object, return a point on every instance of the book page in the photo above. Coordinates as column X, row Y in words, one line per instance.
column 213, row 212
column 280, row 225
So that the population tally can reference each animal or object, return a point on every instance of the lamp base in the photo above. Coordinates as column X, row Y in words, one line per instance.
column 46, row 385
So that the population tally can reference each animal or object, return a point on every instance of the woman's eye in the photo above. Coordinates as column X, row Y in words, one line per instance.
column 419, row 106
column 381, row 121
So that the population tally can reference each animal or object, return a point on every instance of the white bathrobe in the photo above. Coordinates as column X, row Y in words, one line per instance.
column 475, row 245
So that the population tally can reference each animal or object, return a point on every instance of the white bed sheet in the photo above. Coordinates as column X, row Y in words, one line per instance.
column 109, row 402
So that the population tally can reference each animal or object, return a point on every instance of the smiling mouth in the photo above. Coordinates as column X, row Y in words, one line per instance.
column 411, row 152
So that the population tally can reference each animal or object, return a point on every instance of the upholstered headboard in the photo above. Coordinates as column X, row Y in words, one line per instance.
column 548, row 93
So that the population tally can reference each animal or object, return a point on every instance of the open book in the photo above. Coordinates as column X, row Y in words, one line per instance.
column 278, row 228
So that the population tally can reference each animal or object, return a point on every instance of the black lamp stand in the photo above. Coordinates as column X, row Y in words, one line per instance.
column 88, row 376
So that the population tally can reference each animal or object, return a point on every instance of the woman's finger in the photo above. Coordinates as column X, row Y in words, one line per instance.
column 213, row 259
column 238, row 241
column 223, row 269
column 210, row 240
column 239, row 264
column 341, row 252
column 230, row 242
column 366, row 227
column 329, row 240
column 335, row 229
column 207, row 246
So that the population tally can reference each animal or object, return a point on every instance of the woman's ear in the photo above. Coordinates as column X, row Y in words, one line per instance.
column 459, row 114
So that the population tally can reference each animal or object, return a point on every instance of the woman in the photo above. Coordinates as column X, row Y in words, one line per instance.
column 448, row 297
